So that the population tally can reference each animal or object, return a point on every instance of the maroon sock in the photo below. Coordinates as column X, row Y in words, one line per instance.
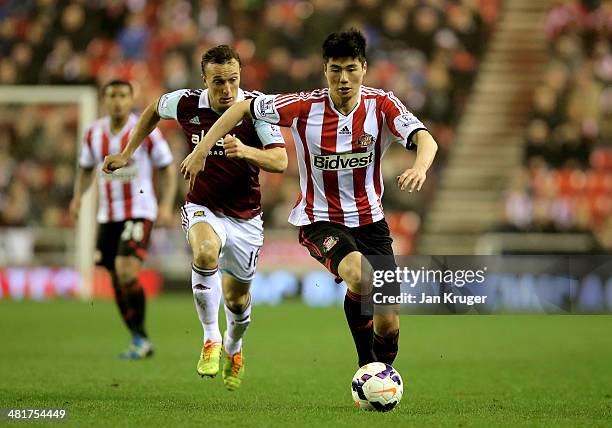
column 385, row 348
column 361, row 326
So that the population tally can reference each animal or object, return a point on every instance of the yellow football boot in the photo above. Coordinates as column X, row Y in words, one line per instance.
column 233, row 371
column 208, row 365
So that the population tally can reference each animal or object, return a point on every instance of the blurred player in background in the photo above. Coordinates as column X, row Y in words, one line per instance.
column 341, row 133
column 222, row 216
column 127, row 206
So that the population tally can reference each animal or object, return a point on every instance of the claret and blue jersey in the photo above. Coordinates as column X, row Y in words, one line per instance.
column 228, row 186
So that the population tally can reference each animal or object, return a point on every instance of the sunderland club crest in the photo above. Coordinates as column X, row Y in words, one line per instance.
column 366, row 140
column 329, row 243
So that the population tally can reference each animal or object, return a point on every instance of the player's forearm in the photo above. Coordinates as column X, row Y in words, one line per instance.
column 83, row 181
column 426, row 149
column 271, row 160
column 223, row 126
column 168, row 185
column 146, row 124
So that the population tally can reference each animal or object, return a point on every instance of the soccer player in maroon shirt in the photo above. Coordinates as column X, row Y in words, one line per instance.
column 222, row 216
column 127, row 206
column 341, row 133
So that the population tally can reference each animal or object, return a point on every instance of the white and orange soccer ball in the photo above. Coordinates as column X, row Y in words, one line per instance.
column 377, row 386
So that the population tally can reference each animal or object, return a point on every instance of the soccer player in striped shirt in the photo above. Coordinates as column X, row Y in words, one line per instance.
column 127, row 206
column 222, row 216
column 341, row 133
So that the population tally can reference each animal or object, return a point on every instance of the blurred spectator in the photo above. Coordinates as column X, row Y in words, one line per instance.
column 519, row 206
column 134, row 37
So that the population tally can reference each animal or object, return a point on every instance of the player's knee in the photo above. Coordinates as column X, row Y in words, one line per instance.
column 206, row 255
column 350, row 269
column 352, row 276
column 236, row 300
column 386, row 325
column 126, row 270
column 126, row 275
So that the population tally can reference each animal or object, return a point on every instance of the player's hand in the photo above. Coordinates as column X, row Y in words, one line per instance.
column 191, row 166
column 413, row 177
column 113, row 163
column 234, row 148
column 74, row 208
column 164, row 216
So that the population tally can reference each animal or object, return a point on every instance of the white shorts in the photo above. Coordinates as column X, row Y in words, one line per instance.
column 241, row 240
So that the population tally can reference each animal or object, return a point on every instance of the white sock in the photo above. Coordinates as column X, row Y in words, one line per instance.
column 236, row 327
column 206, row 286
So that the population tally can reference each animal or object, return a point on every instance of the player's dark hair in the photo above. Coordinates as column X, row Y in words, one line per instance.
column 221, row 54
column 343, row 44
column 116, row 82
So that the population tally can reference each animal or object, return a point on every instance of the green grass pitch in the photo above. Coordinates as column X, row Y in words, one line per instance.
column 459, row 371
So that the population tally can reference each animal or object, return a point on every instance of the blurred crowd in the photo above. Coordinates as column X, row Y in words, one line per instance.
column 37, row 164
column 566, row 184
column 425, row 51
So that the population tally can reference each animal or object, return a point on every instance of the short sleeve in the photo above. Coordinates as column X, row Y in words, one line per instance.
column 276, row 109
column 161, row 155
column 167, row 107
column 86, row 156
column 269, row 135
column 401, row 123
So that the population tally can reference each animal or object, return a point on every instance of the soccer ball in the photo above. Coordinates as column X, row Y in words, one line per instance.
column 377, row 386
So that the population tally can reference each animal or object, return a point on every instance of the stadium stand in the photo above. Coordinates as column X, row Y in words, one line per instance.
column 565, row 185
column 426, row 52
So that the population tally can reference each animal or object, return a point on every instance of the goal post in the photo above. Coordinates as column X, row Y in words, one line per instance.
column 86, row 98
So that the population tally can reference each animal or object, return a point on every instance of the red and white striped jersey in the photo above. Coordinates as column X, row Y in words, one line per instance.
column 128, row 192
column 339, row 157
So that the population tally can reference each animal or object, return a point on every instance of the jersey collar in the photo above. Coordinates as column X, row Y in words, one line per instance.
column 205, row 103
column 132, row 119
column 333, row 107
